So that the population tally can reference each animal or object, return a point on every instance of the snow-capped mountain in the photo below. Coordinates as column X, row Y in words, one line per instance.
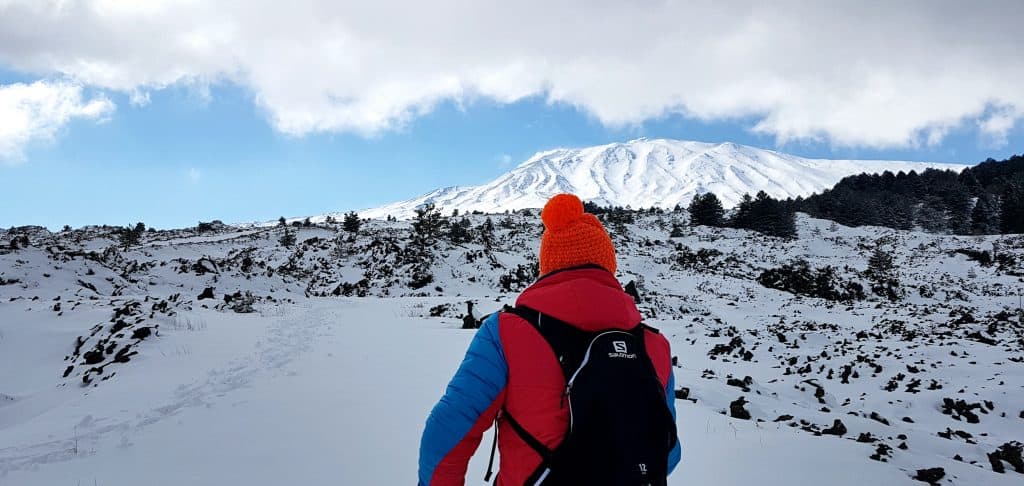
column 650, row 173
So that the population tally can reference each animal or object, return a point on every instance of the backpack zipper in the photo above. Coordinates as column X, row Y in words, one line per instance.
column 586, row 358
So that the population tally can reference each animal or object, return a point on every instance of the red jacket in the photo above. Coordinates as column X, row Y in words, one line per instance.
column 509, row 365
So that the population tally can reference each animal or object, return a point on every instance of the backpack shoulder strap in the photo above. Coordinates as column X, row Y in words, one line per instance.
column 565, row 340
column 527, row 437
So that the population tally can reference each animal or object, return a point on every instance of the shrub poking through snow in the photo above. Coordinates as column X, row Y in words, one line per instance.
column 798, row 277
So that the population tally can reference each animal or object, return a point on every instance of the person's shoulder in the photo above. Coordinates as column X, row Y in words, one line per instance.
column 655, row 340
column 506, row 318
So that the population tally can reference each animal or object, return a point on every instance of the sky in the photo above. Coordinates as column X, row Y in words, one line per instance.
column 172, row 112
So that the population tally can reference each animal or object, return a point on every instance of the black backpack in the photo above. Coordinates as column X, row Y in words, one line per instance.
column 620, row 427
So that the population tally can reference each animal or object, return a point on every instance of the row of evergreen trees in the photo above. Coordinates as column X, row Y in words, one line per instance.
column 985, row 199
column 350, row 223
column 761, row 213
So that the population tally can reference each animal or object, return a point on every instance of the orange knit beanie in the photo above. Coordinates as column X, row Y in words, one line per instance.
column 573, row 237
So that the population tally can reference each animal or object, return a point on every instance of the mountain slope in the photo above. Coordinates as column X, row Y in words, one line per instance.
column 646, row 173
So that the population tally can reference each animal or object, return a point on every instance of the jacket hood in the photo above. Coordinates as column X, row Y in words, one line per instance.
column 587, row 297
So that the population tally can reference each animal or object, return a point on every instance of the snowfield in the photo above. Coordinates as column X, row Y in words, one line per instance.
column 318, row 363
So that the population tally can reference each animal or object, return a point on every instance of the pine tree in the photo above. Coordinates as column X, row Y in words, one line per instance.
column 282, row 221
column 352, row 223
column 882, row 273
column 766, row 215
column 427, row 227
column 130, row 236
column 507, row 222
column 783, row 222
column 931, row 219
column 428, row 223
column 287, row 240
column 743, row 216
column 880, row 264
column 958, row 204
column 985, row 216
column 486, row 232
column 592, row 208
column 706, row 209
column 1012, row 207
column 458, row 231
column 762, row 211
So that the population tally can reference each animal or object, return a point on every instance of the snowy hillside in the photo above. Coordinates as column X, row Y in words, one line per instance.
column 649, row 173
column 226, row 357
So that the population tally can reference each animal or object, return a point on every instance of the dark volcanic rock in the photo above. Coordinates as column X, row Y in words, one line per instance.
column 882, row 453
column 930, row 476
column 93, row 357
column 837, row 428
column 118, row 326
column 141, row 333
column 1009, row 452
column 744, row 384
column 439, row 310
column 207, row 294
column 997, row 465
column 960, row 408
column 736, row 409
column 977, row 336
column 866, row 437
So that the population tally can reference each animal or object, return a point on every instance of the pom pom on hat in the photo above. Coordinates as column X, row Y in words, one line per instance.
column 573, row 237
column 561, row 211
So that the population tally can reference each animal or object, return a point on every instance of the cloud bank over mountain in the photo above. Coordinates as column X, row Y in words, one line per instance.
column 901, row 74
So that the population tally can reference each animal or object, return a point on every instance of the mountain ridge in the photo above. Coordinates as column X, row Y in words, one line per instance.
column 647, row 173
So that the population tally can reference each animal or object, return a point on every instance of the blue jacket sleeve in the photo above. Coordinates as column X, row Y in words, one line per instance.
column 457, row 417
column 670, row 392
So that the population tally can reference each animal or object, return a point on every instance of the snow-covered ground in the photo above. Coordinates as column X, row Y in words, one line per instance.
column 318, row 387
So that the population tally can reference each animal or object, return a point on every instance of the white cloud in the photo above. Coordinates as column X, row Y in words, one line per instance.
column 194, row 175
column 37, row 111
column 138, row 98
column 871, row 74
column 998, row 124
column 505, row 159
